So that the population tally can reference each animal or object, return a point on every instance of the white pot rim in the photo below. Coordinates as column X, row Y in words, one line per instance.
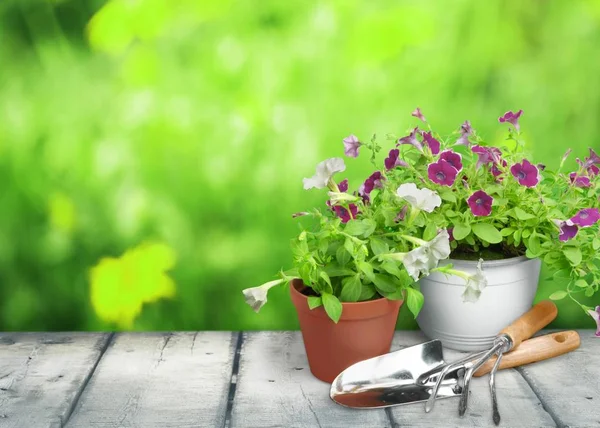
column 488, row 263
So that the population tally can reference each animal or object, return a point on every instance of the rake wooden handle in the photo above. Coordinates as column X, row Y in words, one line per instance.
column 536, row 349
column 531, row 322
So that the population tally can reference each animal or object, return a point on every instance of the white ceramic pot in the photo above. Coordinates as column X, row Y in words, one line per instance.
column 512, row 284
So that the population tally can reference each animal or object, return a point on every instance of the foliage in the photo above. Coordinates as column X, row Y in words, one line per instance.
column 197, row 133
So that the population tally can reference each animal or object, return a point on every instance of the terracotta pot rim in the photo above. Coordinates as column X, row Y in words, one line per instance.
column 352, row 310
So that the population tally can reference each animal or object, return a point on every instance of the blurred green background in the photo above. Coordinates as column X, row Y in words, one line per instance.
column 179, row 131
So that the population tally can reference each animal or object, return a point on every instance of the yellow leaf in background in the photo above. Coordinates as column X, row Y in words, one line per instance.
column 62, row 212
column 121, row 286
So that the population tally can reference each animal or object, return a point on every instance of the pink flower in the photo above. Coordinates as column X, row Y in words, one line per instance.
column 512, row 118
column 579, row 180
column 453, row 158
column 393, row 161
column 567, row 230
column 595, row 314
column 412, row 140
column 351, row 146
column 586, row 217
column 526, row 174
column 417, row 113
column 465, row 132
column 441, row 172
column 432, row 143
column 480, row 204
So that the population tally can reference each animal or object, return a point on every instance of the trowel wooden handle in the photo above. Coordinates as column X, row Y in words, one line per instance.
column 531, row 322
column 536, row 349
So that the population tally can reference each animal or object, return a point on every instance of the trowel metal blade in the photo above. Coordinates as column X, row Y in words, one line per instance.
column 400, row 377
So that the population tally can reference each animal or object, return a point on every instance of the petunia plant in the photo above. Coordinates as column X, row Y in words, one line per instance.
column 431, row 198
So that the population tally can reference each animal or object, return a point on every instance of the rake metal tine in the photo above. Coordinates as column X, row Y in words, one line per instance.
column 496, row 413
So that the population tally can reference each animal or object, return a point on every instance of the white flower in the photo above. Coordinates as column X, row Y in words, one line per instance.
column 325, row 171
column 417, row 262
column 475, row 284
column 440, row 245
column 257, row 296
column 422, row 259
column 423, row 199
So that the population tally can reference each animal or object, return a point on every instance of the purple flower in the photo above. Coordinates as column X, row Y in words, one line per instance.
column 480, row 204
column 343, row 186
column 486, row 155
column 496, row 171
column 373, row 182
column 441, row 172
column 343, row 213
column 579, row 180
column 586, row 217
column 393, row 161
column 526, row 173
column 567, row 230
column 512, row 118
column 351, row 145
column 595, row 314
column 465, row 132
column 451, row 233
column 593, row 159
column 593, row 170
column 417, row 113
column 402, row 214
column 453, row 158
column 434, row 145
column 411, row 139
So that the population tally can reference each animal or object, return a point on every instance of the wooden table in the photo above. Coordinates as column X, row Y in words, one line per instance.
column 254, row 379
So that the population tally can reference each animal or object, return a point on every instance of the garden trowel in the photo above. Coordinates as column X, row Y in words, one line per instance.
column 420, row 374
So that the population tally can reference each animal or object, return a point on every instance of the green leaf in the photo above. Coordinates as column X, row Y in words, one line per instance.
column 414, row 300
column 360, row 227
column 323, row 275
column 323, row 246
column 314, row 301
column 534, row 244
column 461, row 231
column 342, row 256
column 447, row 195
column 367, row 269
column 582, row 283
column 395, row 295
column 573, row 255
column 384, row 283
column 367, row 292
column 391, row 268
column 596, row 243
column 430, row 231
column 507, row 231
column 487, row 233
column 351, row 289
column 561, row 275
column 558, row 295
column 522, row 215
column 334, row 270
column 349, row 246
column 517, row 236
column 589, row 292
column 333, row 307
column 450, row 214
column 379, row 246
column 526, row 233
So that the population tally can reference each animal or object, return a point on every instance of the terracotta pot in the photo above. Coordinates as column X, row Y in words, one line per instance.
column 365, row 330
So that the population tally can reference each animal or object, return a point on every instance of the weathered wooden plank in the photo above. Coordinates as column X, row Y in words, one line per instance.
column 42, row 375
column 159, row 380
column 276, row 389
column 517, row 403
column 569, row 385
